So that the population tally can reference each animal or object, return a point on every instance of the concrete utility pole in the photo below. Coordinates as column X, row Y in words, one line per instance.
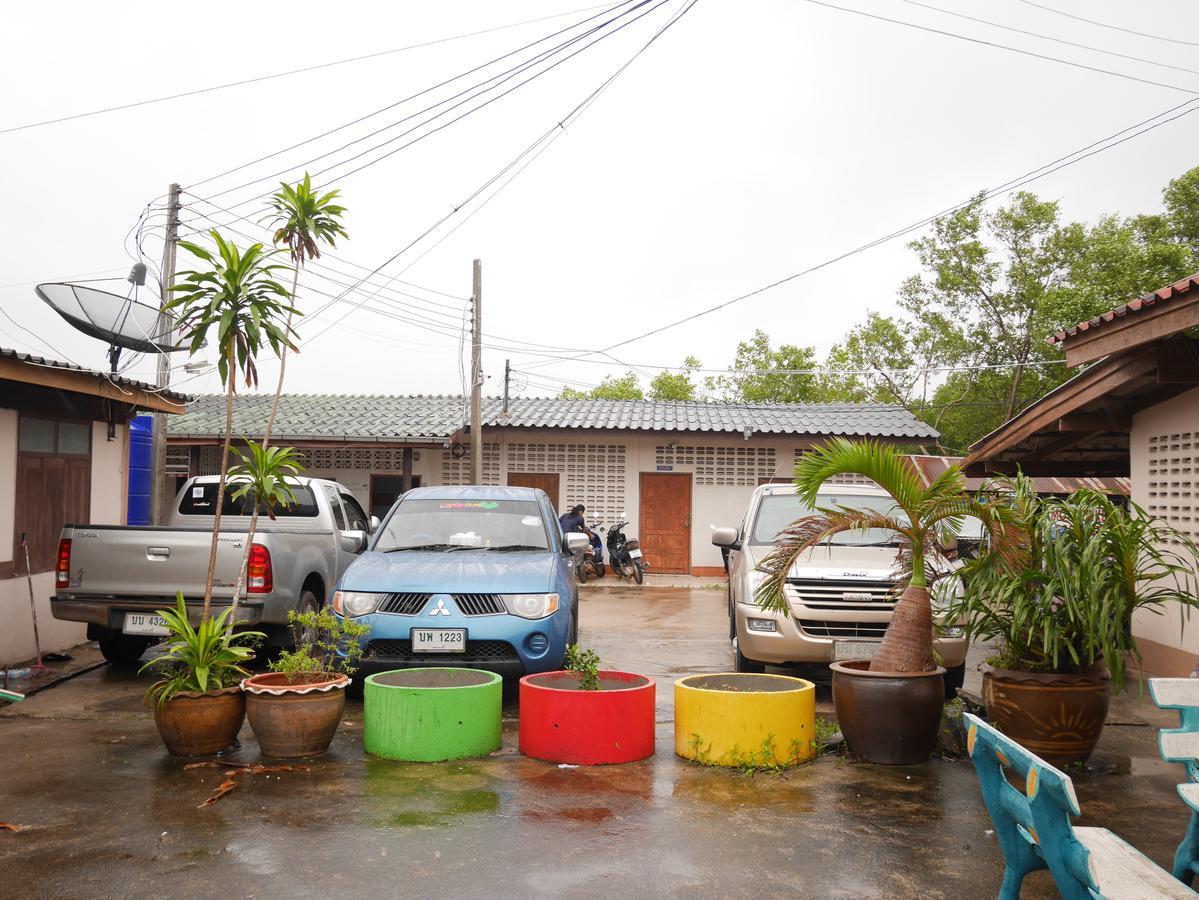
column 476, row 378
column 158, row 468
column 507, row 378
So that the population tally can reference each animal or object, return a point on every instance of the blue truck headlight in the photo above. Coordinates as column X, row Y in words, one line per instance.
column 355, row 603
column 531, row 606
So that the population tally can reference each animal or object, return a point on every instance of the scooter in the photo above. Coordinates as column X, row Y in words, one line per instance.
column 592, row 563
column 624, row 554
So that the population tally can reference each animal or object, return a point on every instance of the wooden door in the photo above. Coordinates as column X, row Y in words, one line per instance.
column 547, row 481
column 665, row 531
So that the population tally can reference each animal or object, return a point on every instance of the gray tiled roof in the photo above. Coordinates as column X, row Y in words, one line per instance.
column 359, row 417
column 44, row 362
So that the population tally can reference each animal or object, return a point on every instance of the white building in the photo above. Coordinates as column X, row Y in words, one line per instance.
column 672, row 469
column 64, row 451
column 1133, row 410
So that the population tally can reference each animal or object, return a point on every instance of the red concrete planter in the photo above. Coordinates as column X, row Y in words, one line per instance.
column 561, row 724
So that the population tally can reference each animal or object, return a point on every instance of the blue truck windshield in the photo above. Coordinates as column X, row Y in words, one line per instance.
column 465, row 524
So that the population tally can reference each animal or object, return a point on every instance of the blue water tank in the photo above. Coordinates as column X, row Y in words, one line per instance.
column 141, row 464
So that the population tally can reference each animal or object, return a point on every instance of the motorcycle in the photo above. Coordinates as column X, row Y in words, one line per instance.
column 624, row 554
column 592, row 563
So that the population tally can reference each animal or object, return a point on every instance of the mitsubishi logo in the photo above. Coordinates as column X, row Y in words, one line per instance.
column 440, row 609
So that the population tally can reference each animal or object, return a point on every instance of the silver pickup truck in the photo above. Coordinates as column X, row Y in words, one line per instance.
column 115, row 577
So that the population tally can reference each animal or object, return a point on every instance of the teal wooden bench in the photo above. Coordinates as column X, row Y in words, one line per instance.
column 1035, row 832
column 1181, row 745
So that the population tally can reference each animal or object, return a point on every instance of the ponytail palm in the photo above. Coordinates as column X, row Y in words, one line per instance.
column 924, row 519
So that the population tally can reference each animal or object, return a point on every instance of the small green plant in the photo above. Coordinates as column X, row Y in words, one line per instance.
column 586, row 664
column 826, row 731
column 202, row 659
column 323, row 643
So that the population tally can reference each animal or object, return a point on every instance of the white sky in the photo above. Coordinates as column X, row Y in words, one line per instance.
column 753, row 140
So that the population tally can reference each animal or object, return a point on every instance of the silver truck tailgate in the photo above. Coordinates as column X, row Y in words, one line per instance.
column 136, row 561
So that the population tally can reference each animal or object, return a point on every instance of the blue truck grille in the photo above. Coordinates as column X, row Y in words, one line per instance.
column 480, row 604
column 476, row 651
column 404, row 604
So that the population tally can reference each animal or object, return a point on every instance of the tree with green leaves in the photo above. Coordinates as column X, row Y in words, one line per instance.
column 613, row 387
column 303, row 220
column 750, row 379
column 263, row 478
column 668, row 385
column 236, row 304
column 925, row 519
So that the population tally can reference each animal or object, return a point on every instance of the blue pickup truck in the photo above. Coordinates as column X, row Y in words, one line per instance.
column 473, row 576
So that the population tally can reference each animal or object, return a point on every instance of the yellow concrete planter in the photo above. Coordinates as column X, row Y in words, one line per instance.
column 745, row 720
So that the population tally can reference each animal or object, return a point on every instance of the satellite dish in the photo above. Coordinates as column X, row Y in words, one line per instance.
column 120, row 321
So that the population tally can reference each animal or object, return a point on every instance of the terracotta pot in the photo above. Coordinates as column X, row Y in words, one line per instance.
column 889, row 718
column 295, row 719
column 561, row 724
column 195, row 724
column 1057, row 717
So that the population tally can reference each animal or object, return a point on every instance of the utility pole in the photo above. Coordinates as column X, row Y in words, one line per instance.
column 158, row 468
column 507, row 378
column 476, row 378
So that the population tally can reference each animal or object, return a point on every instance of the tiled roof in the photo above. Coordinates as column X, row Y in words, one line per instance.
column 1162, row 295
column 932, row 466
column 30, row 359
column 381, row 417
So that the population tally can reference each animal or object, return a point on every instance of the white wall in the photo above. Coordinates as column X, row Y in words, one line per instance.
column 109, row 488
column 1164, row 450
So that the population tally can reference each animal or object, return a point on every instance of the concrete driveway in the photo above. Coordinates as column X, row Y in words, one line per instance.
column 109, row 813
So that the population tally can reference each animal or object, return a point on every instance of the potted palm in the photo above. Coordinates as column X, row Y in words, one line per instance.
column 1061, row 611
column 295, row 708
column 889, row 706
column 198, row 704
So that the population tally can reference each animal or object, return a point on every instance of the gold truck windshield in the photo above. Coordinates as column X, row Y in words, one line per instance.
column 777, row 511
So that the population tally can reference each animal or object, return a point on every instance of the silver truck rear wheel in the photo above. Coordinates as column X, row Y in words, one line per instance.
column 121, row 650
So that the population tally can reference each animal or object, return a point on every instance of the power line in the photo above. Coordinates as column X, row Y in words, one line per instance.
column 560, row 126
column 986, row 43
column 1049, row 168
column 400, row 102
column 1156, row 37
column 1056, row 40
column 289, row 72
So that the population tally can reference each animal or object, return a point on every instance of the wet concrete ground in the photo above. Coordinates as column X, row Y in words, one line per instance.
column 110, row 814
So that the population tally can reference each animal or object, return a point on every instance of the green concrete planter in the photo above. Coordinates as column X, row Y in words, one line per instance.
column 428, row 715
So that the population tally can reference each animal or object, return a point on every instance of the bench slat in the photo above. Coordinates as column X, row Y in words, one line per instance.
column 1123, row 872
column 1190, row 795
column 1179, row 746
column 1173, row 693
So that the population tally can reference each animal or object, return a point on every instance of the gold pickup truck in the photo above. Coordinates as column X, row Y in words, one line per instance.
column 840, row 595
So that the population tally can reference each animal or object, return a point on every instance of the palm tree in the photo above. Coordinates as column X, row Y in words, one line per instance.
column 238, row 297
column 303, row 220
column 262, row 477
column 925, row 518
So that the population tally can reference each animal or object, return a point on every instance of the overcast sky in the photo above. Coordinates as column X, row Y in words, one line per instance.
column 753, row 140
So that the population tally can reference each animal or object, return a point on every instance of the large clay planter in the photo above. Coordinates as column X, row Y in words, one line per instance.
column 427, row 715
column 735, row 719
column 888, row 718
column 1057, row 717
column 561, row 724
column 195, row 724
column 293, row 720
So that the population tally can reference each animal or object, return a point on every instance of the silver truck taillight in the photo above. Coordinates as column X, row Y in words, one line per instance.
column 259, row 576
column 62, row 568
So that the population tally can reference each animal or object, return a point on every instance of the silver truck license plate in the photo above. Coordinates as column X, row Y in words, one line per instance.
column 145, row 623
column 856, row 649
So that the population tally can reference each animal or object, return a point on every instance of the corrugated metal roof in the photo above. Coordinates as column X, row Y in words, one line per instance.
column 30, row 359
column 932, row 466
column 1162, row 295
column 399, row 418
